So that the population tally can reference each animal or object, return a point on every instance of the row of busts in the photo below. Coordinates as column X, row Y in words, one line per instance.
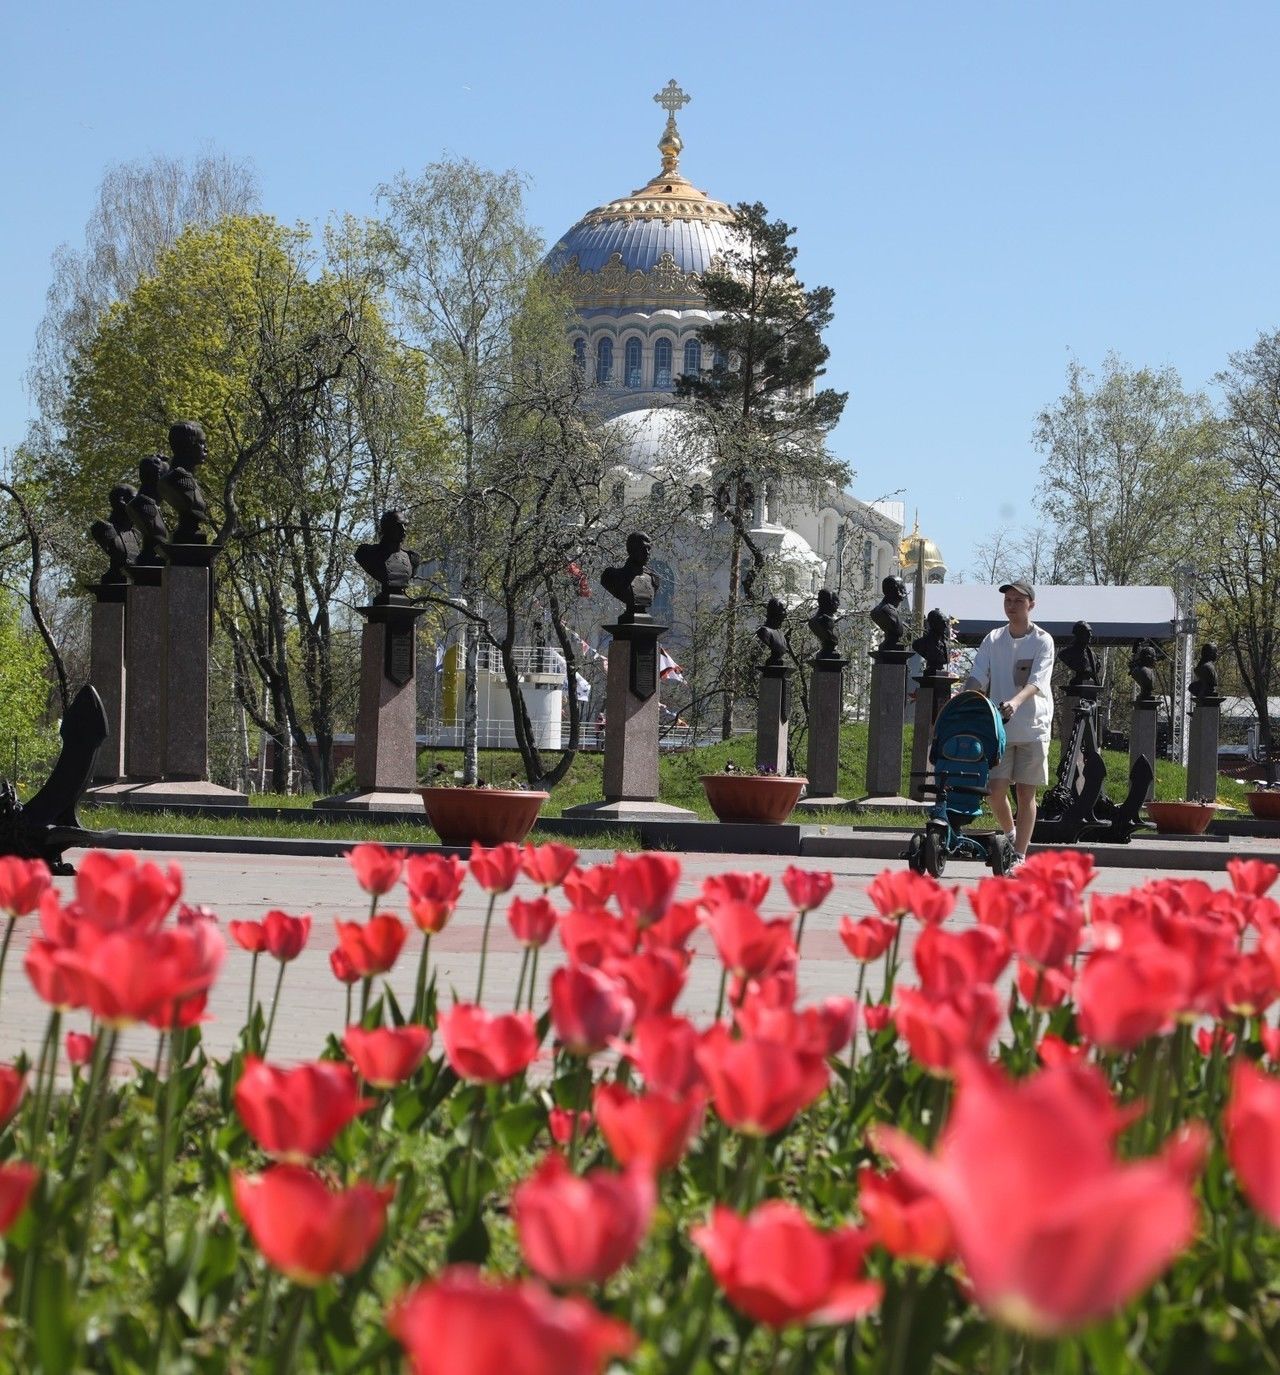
column 136, row 533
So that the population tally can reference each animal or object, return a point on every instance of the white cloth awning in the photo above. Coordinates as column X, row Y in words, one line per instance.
column 1118, row 615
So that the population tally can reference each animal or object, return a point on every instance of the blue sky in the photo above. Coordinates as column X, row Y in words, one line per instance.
column 989, row 187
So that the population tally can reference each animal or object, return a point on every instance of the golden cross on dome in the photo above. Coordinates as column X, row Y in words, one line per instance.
column 672, row 98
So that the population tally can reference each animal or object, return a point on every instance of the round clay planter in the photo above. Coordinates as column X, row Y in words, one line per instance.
column 750, row 797
column 488, row 816
column 1264, row 804
column 1180, row 818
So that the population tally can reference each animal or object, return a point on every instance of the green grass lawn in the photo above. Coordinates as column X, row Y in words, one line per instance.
column 679, row 784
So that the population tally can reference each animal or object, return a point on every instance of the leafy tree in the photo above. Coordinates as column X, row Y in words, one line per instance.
column 1131, row 472
column 25, row 740
column 756, row 414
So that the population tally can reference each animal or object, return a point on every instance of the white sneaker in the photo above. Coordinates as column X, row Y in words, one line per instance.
column 1015, row 862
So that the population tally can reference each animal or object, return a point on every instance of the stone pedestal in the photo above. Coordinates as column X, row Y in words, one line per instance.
column 826, row 708
column 1071, row 699
column 631, row 728
column 186, row 599
column 884, row 723
column 144, row 674
column 1142, row 736
column 773, row 714
column 106, row 673
column 933, row 692
column 386, row 755
column 1202, row 750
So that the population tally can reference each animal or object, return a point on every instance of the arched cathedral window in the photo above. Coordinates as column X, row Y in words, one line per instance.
column 580, row 354
column 662, row 363
column 693, row 356
column 604, row 362
column 632, row 374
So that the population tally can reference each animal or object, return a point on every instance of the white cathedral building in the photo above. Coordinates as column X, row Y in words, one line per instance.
column 633, row 269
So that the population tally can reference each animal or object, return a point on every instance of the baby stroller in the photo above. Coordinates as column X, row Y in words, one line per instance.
column 968, row 741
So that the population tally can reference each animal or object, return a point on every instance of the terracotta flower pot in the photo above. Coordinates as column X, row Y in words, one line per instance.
column 751, row 797
column 1264, row 804
column 488, row 816
column 1180, row 818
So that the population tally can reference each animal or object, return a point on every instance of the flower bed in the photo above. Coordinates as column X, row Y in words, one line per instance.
column 1076, row 1175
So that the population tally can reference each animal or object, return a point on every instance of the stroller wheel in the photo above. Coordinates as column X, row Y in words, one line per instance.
column 933, row 855
column 915, row 853
column 997, row 856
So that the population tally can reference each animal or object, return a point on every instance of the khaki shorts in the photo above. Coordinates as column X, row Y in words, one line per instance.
column 1026, row 761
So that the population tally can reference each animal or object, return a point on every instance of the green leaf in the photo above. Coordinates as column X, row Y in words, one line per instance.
column 468, row 1240
column 517, row 1126
column 53, row 1319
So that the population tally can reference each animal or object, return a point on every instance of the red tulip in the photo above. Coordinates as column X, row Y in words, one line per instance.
column 663, row 1049
column 1271, row 1042
column 588, row 1009
column 589, row 887
column 778, row 1269
column 16, row 1183
column 1053, row 1051
column 79, row 1048
column 1209, row 1037
column 52, row 980
column 1127, row 995
column 294, row 1114
column 464, row 1323
column 734, row 887
column 839, row 1018
column 303, row 1228
column 1046, row 932
column 867, row 939
column 22, row 884
column 1252, row 1122
column 487, row 1049
column 672, row 931
column 1251, row 876
column 1042, row 988
column 533, row 922
column 877, row 1016
column 114, row 891
column 940, row 1032
column 387, row 1055
column 495, row 869
column 896, row 892
column 644, row 885
column 649, row 1129
column 748, row 945
column 286, row 935
column 189, row 913
column 435, row 885
column 548, row 864
column 372, row 948
column 592, row 935
column 560, row 1122
column 340, row 964
column 248, row 935
column 805, row 889
column 1054, row 1232
column 377, row 869
column 1249, row 985
column 13, row 1084
column 579, row 1229
column 758, row 1086
column 1072, row 867
column 949, row 961
column 903, row 1218
column 653, row 979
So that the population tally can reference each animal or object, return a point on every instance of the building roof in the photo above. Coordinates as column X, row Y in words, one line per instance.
column 1118, row 615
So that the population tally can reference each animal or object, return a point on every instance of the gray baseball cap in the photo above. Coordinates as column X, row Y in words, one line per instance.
column 1025, row 588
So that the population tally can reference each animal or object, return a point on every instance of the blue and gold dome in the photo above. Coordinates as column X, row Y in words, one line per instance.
column 633, row 269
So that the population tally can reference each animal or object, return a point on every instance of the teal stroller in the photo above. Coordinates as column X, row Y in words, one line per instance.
column 968, row 741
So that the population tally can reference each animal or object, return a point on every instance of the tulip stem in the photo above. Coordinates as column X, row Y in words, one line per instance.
column 420, row 985
column 4, row 948
column 724, row 980
column 484, row 946
column 275, row 1003
column 1001, row 1350
column 177, row 1058
column 533, row 975
column 99, row 1085
column 46, row 1072
column 902, row 1325
column 800, row 929
column 293, row 1335
column 253, row 980
column 853, row 1040
column 891, row 960
column 266, row 1309
column 524, row 965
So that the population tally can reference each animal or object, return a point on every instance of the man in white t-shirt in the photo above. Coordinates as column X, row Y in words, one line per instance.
column 1014, row 666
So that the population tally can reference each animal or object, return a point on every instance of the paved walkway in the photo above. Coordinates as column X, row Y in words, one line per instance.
column 312, row 1003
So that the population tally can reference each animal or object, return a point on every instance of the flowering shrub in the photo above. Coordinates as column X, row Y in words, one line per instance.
column 1049, row 1142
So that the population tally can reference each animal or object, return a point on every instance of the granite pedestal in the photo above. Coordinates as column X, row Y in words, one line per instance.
column 1142, row 736
column 826, row 709
column 106, row 673
column 144, row 674
column 884, row 724
column 631, row 729
column 933, row 692
column 386, row 754
column 773, row 715
column 1202, row 750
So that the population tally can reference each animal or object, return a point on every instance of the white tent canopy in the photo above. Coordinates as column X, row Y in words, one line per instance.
column 1118, row 615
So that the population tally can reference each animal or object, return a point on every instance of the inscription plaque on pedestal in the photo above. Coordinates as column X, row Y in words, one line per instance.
column 398, row 664
column 644, row 668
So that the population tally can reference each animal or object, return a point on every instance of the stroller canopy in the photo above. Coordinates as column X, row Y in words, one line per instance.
column 970, row 713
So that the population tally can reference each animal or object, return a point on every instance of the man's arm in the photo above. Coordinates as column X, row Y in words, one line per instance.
column 979, row 679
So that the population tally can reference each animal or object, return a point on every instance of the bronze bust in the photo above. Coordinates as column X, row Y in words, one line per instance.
column 1205, row 682
column 1080, row 658
column 144, row 512
column 116, row 536
column 934, row 646
column 178, row 485
column 884, row 614
column 771, row 634
column 387, row 562
column 823, row 625
column 633, row 583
